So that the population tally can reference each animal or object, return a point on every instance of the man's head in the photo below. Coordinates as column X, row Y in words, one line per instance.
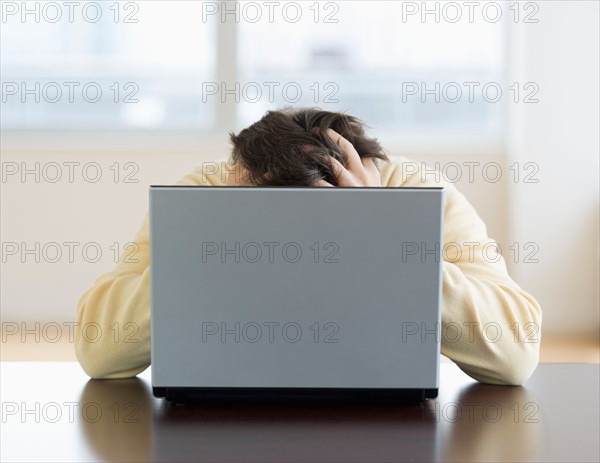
column 291, row 146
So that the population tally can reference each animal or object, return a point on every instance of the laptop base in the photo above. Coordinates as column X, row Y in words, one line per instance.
column 184, row 395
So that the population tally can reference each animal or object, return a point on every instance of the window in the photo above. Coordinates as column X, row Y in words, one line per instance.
column 374, row 65
column 175, row 65
column 106, row 65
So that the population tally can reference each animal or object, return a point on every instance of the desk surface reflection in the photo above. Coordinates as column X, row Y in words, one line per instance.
column 51, row 412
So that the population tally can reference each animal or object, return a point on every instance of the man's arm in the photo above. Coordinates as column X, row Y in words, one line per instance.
column 487, row 319
column 112, row 337
column 490, row 326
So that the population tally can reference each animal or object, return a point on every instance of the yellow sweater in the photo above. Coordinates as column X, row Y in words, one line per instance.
column 490, row 326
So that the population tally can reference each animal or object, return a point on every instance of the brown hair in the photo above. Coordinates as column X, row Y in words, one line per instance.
column 291, row 147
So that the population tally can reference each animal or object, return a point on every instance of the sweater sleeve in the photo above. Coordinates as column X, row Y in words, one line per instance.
column 112, row 334
column 490, row 326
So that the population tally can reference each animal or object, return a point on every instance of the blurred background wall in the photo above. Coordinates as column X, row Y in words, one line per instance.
column 542, row 132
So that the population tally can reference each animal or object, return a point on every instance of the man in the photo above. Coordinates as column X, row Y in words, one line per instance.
column 309, row 147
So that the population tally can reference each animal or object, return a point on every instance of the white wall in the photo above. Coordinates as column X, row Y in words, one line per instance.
column 560, row 134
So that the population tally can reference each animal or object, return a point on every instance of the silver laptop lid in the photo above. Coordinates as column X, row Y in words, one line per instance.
column 295, row 287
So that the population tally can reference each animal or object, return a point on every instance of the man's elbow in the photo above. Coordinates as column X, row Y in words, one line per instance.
column 507, row 364
column 510, row 359
column 502, row 370
column 102, row 353
column 92, row 360
column 520, row 365
column 517, row 355
column 101, row 362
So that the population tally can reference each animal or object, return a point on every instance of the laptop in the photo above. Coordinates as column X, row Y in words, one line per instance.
column 295, row 293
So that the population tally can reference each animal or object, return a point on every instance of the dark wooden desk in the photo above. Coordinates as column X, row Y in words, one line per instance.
column 52, row 412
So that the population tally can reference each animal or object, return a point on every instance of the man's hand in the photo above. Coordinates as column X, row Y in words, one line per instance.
column 360, row 172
